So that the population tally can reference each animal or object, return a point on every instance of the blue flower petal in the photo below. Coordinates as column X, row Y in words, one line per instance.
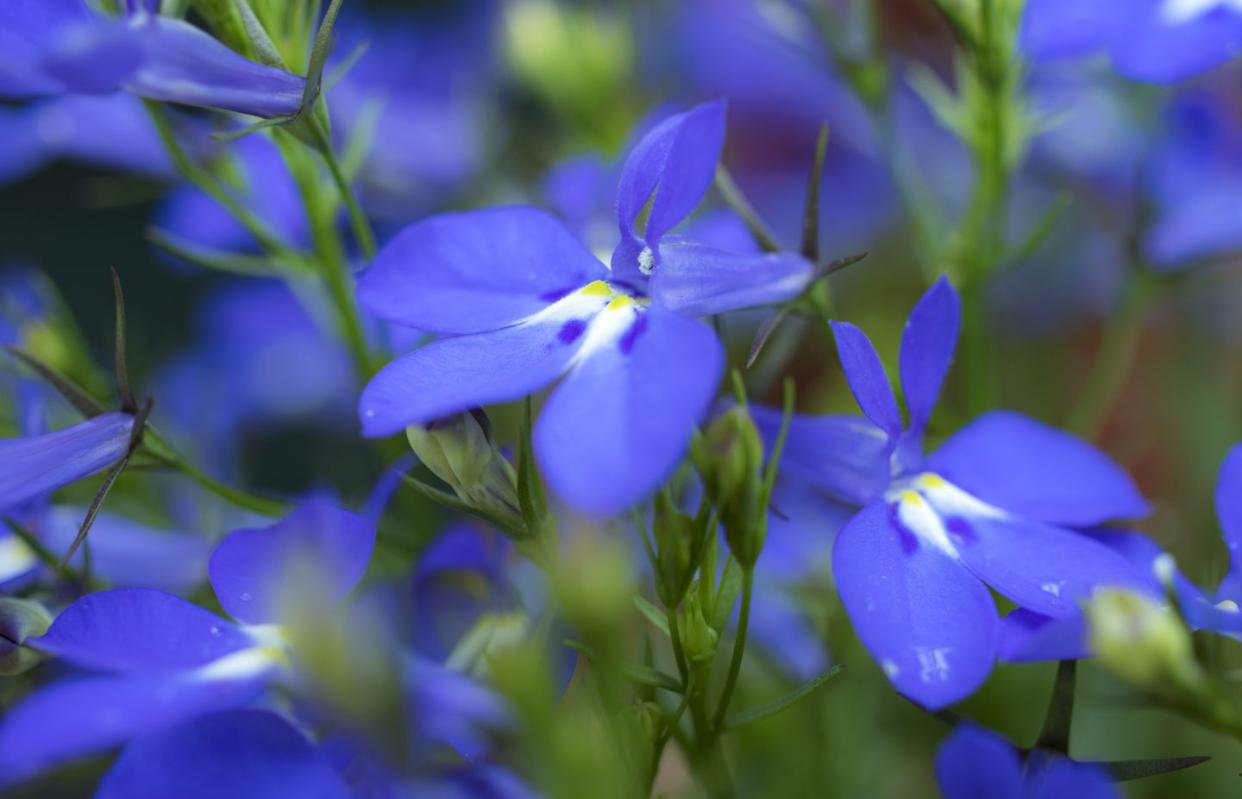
column 140, row 631
column 700, row 280
column 28, row 29
column 128, row 554
column 183, row 64
column 846, row 456
column 241, row 754
column 867, row 379
column 1027, row 636
column 780, row 627
column 250, row 569
column 1065, row 28
column 36, row 465
column 1033, row 470
column 974, row 763
column 447, row 707
column 476, row 271
column 620, row 423
column 927, row 346
column 1047, row 569
column 79, row 717
column 456, row 374
column 1229, row 507
column 1149, row 46
column 926, row 620
column 677, row 161
column 1063, row 777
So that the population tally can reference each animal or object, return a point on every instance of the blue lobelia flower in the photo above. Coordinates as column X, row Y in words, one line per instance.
column 1151, row 40
column 525, row 303
column 50, row 47
column 169, row 660
column 242, row 754
column 991, row 507
column 33, row 466
column 974, row 763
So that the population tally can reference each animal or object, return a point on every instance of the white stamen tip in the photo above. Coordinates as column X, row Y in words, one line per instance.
column 646, row 261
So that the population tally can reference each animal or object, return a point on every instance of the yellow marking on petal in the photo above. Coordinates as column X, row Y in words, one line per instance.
column 596, row 288
column 931, row 481
column 620, row 301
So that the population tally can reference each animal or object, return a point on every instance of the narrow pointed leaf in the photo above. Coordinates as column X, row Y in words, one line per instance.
column 634, row 672
column 1056, row 731
column 786, row 701
column 530, row 488
column 810, row 219
column 122, row 361
column 726, row 595
column 74, row 394
column 1126, row 770
column 651, row 613
column 104, row 489
column 510, row 526
column 319, row 55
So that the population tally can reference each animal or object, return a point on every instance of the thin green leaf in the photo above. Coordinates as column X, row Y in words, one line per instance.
column 784, row 702
column 218, row 260
column 254, row 127
column 347, row 63
column 651, row 613
column 319, row 55
column 93, row 510
column 810, row 217
column 122, row 362
column 74, row 394
column 264, row 49
column 737, row 202
column 765, row 332
column 1126, row 770
column 634, row 672
column 837, row 264
column 530, row 488
column 1060, row 716
column 726, row 595
column 452, row 502
column 769, row 477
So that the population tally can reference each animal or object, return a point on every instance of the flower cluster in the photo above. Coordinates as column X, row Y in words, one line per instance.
column 495, row 415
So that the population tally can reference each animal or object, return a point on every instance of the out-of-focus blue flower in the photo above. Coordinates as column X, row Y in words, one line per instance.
column 1195, row 181
column 1151, row 40
column 974, row 763
column 989, row 508
column 423, row 78
column 33, row 466
column 525, row 303
column 169, row 660
column 243, row 754
column 112, row 131
column 50, row 47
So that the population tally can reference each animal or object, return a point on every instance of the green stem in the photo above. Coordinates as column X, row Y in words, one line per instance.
column 739, row 648
column 733, row 197
column 1114, row 361
column 157, row 448
column 1055, row 734
column 679, row 654
column 357, row 219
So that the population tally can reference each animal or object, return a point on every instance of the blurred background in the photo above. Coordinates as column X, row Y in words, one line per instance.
column 1116, row 309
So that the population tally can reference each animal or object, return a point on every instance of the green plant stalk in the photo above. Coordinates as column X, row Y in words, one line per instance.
column 739, row 650
column 357, row 219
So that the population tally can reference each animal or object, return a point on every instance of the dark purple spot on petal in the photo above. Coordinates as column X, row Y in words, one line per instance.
column 909, row 542
column 631, row 335
column 553, row 296
column 571, row 330
column 961, row 531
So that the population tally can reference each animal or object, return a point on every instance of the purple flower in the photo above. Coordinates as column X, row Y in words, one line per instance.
column 974, row 763
column 525, row 303
column 1150, row 40
column 168, row 660
column 50, row 47
column 33, row 466
column 991, row 507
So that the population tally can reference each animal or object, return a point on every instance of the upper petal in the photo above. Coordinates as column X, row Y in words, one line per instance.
column 1063, row 777
column 250, row 569
column 1024, row 466
column 622, row 420
column 241, row 754
column 974, row 763
column 141, row 631
column 475, row 271
column 700, row 280
column 927, row 621
column 927, row 346
column 866, row 376
column 677, row 161
column 1152, row 46
column 36, row 465
column 456, row 374
column 1229, row 504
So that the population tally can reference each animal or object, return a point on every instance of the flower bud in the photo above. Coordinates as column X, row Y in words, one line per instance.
column 20, row 619
column 698, row 637
column 675, row 533
column 458, row 449
column 1143, row 642
column 730, row 459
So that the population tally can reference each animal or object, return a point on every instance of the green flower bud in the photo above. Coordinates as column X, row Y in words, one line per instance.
column 1143, row 642
column 675, row 534
column 593, row 582
column 729, row 456
column 458, row 449
column 20, row 619
column 698, row 637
